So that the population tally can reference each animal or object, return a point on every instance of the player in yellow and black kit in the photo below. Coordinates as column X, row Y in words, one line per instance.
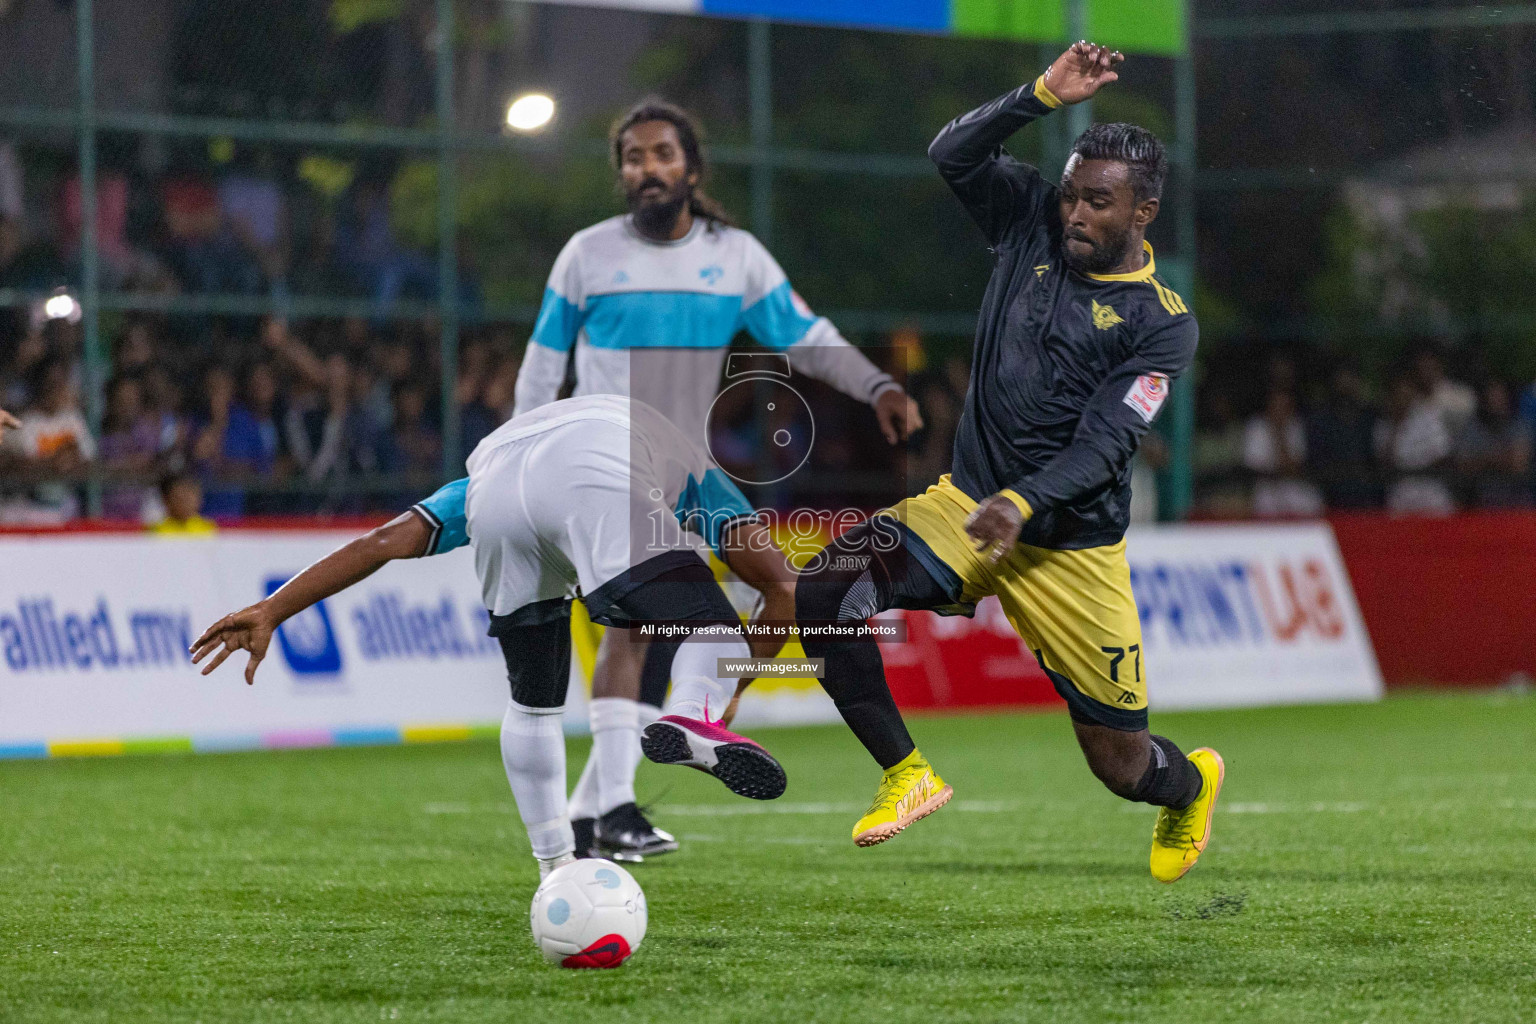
column 1077, row 344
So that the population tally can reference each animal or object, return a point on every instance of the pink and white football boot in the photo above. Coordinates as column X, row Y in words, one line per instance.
column 742, row 764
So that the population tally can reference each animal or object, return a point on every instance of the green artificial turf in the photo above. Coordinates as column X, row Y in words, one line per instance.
column 1368, row 863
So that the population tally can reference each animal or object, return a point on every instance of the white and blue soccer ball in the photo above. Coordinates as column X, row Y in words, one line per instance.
column 588, row 914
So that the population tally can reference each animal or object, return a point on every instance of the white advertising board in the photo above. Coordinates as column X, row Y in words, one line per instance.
column 93, row 631
column 1248, row 615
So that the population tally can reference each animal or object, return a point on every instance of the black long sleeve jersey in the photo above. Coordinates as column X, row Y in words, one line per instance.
column 1068, row 369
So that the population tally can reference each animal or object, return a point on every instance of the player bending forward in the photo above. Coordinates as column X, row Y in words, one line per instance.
column 590, row 493
column 1077, row 345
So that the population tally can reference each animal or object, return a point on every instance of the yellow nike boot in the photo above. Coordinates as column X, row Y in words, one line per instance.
column 908, row 791
column 1179, row 837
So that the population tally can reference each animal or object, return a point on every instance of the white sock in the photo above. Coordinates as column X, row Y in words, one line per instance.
column 616, row 747
column 584, row 796
column 695, row 686
column 546, row 866
column 648, row 714
column 533, row 753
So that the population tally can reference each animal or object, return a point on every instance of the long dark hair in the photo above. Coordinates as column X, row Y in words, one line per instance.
column 653, row 108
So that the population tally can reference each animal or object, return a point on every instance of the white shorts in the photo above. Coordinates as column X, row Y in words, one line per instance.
column 560, row 509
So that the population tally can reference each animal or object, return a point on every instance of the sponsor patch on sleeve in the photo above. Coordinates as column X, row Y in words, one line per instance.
column 1147, row 394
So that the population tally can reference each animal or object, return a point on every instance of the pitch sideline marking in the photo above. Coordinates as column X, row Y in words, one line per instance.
column 964, row 806
column 738, row 810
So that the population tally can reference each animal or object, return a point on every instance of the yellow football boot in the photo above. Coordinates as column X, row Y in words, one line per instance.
column 1179, row 837
column 909, row 790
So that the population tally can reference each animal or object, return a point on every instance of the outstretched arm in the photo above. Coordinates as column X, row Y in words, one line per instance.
column 779, row 318
column 998, row 191
column 752, row 555
column 829, row 357
column 251, row 629
column 761, row 564
column 8, row 421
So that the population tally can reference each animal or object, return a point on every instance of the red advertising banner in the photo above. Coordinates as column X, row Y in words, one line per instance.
column 1447, row 600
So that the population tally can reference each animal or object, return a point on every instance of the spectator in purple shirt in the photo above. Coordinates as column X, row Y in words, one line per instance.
column 229, row 445
column 130, row 444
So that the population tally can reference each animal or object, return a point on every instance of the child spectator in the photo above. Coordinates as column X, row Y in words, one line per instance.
column 182, row 496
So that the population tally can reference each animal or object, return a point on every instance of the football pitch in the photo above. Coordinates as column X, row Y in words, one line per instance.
column 1368, row 863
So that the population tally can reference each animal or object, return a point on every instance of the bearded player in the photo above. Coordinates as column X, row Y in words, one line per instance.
column 646, row 304
column 1077, row 345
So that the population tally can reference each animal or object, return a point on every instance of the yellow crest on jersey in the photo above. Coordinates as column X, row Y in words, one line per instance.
column 1105, row 317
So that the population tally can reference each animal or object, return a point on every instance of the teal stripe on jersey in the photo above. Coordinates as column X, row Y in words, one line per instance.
column 620, row 320
column 559, row 322
column 709, row 505
column 776, row 320
column 446, row 505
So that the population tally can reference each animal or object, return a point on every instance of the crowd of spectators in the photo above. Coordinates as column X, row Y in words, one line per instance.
column 336, row 415
column 345, row 414
column 247, row 225
column 1429, row 444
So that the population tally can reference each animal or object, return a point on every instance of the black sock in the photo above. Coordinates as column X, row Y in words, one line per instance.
column 847, row 584
column 656, row 674
column 1170, row 780
column 855, row 680
column 585, row 830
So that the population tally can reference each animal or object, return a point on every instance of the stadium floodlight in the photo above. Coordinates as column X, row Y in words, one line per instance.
column 530, row 112
column 61, row 306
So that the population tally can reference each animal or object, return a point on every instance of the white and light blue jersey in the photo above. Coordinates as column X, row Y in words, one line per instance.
column 709, row 504
column 653, row 320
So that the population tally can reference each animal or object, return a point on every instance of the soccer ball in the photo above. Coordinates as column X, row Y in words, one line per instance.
column 588, row 914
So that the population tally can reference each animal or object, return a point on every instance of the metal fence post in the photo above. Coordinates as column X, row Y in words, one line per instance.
column 760, row 100
column 1079, row 115
column 447, row 245
column 760, row 87
column 1180, row 478
column 90, row 260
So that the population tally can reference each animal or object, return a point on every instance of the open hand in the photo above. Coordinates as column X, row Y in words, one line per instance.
column 1082, row 71
column 994, row 526
column 247, row 630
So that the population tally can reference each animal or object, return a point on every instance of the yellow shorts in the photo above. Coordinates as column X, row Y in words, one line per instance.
column 1074, row 609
